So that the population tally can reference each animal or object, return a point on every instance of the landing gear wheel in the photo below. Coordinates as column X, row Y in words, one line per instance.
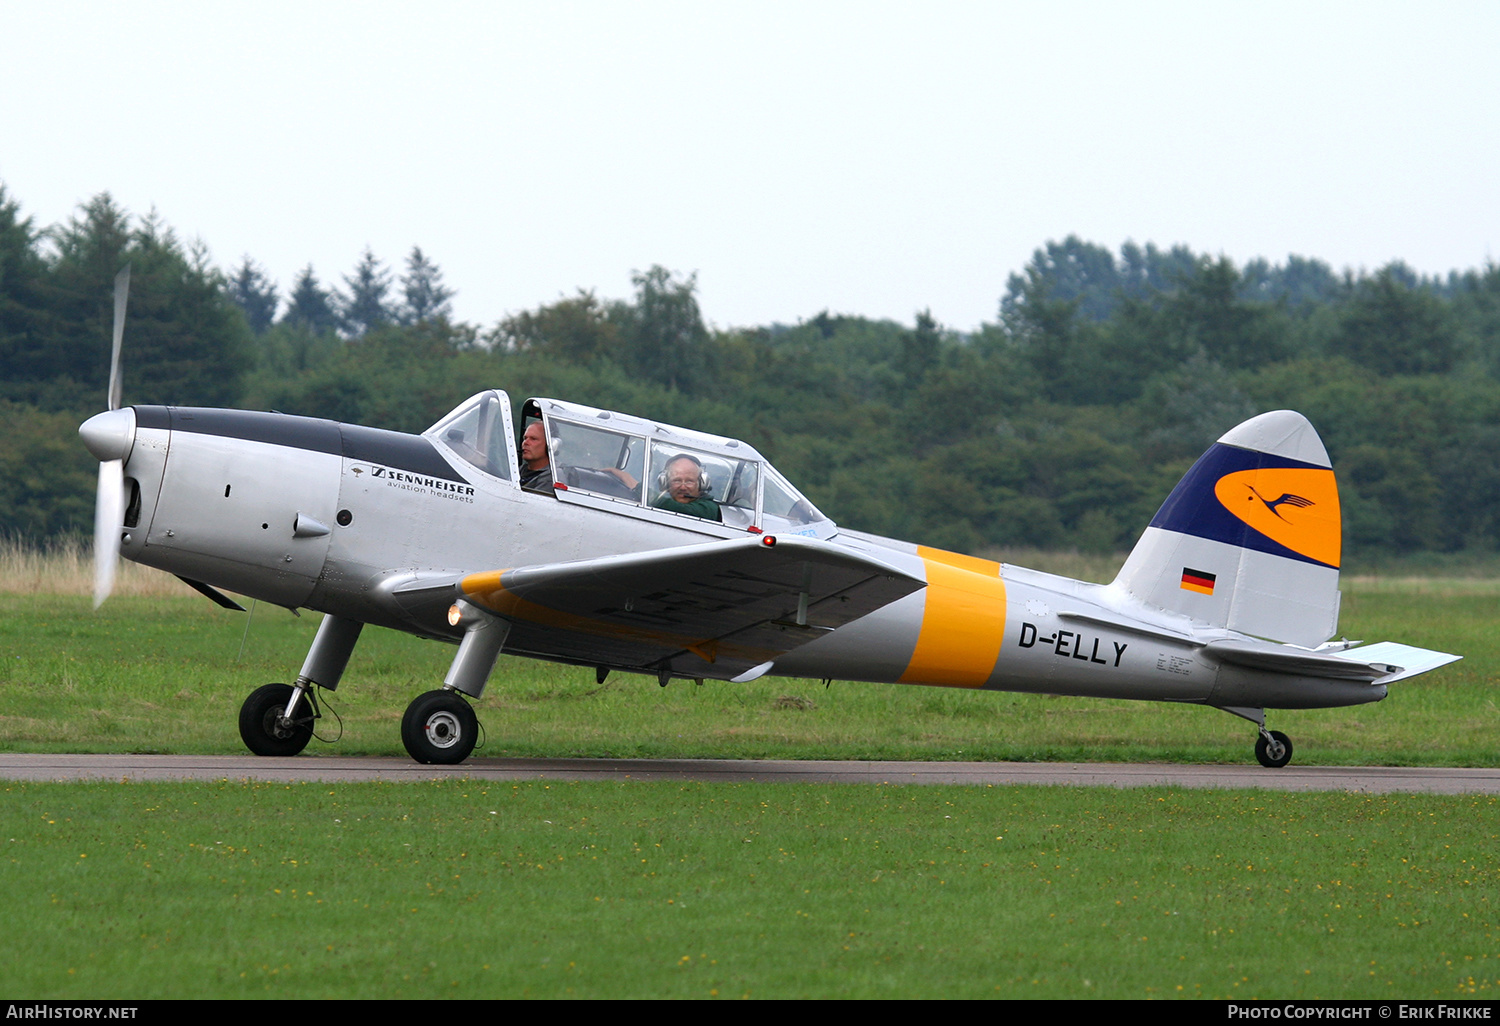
column 1275, row 751
column 439, row 727
column 262, row 727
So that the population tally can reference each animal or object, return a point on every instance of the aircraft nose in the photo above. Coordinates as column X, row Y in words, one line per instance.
column 109, row 435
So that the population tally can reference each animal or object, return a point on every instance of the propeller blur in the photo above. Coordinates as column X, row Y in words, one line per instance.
column 109, row 500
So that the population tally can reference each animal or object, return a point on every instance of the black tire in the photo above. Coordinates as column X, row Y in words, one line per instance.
column 260, row 722
column 1276, row 754
column 439, row 727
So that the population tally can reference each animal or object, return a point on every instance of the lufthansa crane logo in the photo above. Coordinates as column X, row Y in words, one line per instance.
column 1287, row 498
column 1303, row 515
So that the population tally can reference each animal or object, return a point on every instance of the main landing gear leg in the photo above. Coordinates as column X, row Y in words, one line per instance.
column 277, row 719
column 1273, row 749
column 440, row 727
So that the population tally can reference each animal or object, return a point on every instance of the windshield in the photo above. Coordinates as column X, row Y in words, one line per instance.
column 478, row 432
column 785, row 502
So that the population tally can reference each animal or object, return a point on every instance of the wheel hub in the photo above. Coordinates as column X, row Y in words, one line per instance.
column 443, row 730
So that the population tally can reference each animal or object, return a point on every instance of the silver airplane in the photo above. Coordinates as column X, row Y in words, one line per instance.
column 654, row 549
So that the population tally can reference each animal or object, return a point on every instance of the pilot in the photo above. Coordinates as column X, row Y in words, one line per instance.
column 684, row 484
column 536, row 465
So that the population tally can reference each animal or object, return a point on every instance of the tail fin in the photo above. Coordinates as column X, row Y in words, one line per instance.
column 1250, row 538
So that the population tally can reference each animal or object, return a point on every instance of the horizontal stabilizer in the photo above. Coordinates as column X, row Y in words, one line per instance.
column 1260, row 655
column 1408, row 659
column 1382, row 663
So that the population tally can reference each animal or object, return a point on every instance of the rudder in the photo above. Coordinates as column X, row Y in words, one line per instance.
column 1250, row 539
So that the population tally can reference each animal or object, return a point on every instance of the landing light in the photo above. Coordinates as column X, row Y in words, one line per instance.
column 466, row 614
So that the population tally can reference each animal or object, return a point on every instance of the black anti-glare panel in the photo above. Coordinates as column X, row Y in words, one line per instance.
column 370, row 445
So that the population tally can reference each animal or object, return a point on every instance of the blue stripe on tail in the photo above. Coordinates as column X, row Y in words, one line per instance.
column 1194, row 509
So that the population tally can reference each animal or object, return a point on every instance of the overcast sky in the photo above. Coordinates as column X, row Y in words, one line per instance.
column 870, row 158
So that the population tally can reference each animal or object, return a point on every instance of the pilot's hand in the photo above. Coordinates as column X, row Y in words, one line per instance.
column 624, row 478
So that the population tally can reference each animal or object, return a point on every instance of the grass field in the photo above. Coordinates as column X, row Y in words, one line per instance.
column 465, row 889
column 472, row 889
column 167, row 674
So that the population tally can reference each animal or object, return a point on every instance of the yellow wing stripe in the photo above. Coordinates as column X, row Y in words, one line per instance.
column 963, row 621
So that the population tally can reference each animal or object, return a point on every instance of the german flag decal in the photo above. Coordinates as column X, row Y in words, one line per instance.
column 1198, row 580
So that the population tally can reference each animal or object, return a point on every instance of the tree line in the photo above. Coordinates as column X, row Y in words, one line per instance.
column 1063, row 423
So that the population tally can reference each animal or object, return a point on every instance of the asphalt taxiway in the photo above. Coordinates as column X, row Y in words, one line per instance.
column 1359, row 779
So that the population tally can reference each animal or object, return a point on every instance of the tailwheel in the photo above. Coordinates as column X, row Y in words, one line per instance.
column 439, row 727
column 264, row 726
column 1273, row 749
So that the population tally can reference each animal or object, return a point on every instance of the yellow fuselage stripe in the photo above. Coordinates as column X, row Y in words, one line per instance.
column 963, row 621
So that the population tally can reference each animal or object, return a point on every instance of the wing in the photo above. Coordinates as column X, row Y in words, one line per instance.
column 721, row 610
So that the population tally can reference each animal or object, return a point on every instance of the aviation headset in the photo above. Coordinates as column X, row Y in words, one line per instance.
column 704, row 484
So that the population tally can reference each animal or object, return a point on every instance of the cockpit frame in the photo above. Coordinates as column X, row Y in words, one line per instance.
column 617, row 462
